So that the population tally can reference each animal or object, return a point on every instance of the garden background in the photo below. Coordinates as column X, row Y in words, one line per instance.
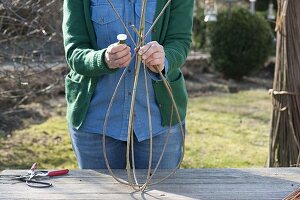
column 229, row 114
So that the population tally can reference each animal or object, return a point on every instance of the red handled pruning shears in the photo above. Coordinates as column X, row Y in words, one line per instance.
column 33, row 176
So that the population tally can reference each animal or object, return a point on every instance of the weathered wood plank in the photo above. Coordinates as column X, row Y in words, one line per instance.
column 266, row 183
column 289, row 173
column 162, row 196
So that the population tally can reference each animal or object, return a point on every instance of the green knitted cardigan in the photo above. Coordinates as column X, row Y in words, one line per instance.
column 173, row 30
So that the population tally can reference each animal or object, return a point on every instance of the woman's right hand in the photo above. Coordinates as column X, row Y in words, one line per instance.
column 117, row 55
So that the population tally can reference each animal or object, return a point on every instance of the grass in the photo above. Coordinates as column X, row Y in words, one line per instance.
column 224, row 130
column 228, row 130
column 48, row 144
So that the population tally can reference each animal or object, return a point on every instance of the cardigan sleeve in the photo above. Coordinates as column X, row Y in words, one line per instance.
column 81, row 57
column 179, row 33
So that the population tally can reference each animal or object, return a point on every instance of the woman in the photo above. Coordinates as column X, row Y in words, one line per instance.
column 96, row 61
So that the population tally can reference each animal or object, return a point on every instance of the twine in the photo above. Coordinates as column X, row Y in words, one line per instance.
column 275, row 93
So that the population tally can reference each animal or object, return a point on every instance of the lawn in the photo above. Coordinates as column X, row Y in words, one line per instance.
column 228, row 130
column 223, row 130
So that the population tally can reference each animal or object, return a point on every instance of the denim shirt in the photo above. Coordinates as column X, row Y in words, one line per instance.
column 107, row 26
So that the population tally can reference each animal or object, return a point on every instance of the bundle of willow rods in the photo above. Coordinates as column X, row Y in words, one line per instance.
column 285, row 130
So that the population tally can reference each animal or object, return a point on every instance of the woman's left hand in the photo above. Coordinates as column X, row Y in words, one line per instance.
column 153, row 56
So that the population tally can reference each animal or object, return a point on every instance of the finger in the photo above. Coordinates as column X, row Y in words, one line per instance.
column 126, row 64
column 154, row 68
column 158, row 58
column 148, row 53
column 120, row 54
column 158, row 67
column 121, row 62
column 108, row 60
column 149, row 45
column 155, row 62
column 144, row 49
column 155, row 48
column 156, row 55
column 108, row 50
column 152, row 43
column 115, row 48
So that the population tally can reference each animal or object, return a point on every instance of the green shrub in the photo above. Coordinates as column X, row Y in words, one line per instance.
column 199, row 30
column 240, row 43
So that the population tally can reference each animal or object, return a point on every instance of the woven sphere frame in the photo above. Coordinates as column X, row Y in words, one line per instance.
column 141, row 41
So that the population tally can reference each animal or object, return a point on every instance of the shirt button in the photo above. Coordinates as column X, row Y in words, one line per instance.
column 101, row 20
column 129, row 93
column 129, row 23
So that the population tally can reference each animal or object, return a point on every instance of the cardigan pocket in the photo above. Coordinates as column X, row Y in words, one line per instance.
column 77, row 98
column 106, row 23
column 165, row 103
column 72, row 88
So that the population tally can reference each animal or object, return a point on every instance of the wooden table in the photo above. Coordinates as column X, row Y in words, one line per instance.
column 254, row 184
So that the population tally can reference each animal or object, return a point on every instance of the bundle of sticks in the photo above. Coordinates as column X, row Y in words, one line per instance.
column 285, row 130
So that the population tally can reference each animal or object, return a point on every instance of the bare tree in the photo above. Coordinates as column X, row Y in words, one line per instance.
column 30, row 39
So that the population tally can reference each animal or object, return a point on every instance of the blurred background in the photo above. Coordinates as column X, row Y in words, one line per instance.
column 228, row 73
